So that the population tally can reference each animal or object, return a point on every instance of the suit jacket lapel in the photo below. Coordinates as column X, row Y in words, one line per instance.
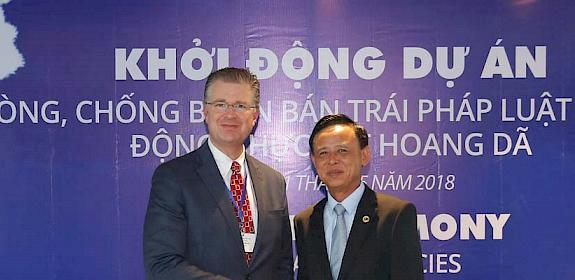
column 258, row 184
column 213, row 181
column 317, row 241
column 360, row 229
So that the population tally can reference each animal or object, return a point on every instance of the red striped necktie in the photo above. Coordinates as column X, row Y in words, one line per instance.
column 242, row 201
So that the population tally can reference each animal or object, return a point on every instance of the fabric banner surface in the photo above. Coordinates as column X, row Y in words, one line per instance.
column 469, row 107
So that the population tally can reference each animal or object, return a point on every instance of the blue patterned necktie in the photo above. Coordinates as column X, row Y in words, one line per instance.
column 338, row 241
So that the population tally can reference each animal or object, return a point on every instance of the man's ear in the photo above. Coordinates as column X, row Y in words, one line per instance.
column 365, row 155
column 313, row 160
column 256, row 115
column 206, row 114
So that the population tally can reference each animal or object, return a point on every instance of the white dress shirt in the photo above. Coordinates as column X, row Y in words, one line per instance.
column 224, row 164
column 350, row 204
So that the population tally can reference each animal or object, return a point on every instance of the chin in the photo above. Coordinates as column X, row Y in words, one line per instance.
column 231, row 137
column 333, row 186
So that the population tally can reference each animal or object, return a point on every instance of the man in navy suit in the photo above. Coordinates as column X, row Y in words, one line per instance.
column 353, row 233
column 217, row 212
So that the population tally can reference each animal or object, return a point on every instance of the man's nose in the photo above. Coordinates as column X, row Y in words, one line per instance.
column 230, row 110
column 333, row 158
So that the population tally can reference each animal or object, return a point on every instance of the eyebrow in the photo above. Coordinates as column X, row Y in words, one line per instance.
column 225, row 101
column 336, row 146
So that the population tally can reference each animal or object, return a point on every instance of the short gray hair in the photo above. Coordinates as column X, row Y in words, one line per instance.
column 234, row 75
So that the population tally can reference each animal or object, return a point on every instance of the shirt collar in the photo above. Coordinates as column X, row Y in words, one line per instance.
column 350, row 203
column 224, row 162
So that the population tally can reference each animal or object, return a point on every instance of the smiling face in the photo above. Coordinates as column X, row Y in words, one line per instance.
column 229, row 129
column 338, row 159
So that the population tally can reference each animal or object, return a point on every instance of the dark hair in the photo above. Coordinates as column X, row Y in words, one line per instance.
column 234, row 75
column 331, row 120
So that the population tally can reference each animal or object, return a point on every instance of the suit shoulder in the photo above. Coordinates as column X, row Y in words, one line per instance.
column 176, row 163
column 264, row 167
column 306, row 213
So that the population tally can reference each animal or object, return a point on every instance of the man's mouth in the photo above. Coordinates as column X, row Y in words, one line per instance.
column 333, row 173
column 229, row 126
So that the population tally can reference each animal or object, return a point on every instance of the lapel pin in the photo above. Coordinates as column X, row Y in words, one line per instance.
column 365, row 219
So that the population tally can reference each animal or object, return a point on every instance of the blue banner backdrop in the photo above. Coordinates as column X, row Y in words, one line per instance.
column 469, row 105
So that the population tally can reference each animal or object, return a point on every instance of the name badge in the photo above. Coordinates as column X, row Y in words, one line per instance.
column 249, row 240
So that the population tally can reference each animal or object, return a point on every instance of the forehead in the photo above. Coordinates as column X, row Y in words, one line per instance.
column 230, row 91
column 339, row 134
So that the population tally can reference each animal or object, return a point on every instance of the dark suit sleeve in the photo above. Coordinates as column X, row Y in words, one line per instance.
column 165, row 232
column 286, row 264
column 406, row 262
column 301, row 254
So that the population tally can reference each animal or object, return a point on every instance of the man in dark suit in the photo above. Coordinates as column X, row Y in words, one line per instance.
column 353, row 233
column 217, row 212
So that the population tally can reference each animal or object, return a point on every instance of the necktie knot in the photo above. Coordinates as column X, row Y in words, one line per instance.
column 236, row 166
column 339, row 209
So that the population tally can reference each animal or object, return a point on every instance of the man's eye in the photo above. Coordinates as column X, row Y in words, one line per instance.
column 220, row 105
column 342, row 150
column 241, row 106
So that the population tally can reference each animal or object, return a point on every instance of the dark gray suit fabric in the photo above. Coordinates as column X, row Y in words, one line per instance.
column 385, row 247
column 191, row 231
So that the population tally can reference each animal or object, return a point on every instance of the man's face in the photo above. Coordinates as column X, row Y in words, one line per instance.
column 229, row 128
column 338, row 158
